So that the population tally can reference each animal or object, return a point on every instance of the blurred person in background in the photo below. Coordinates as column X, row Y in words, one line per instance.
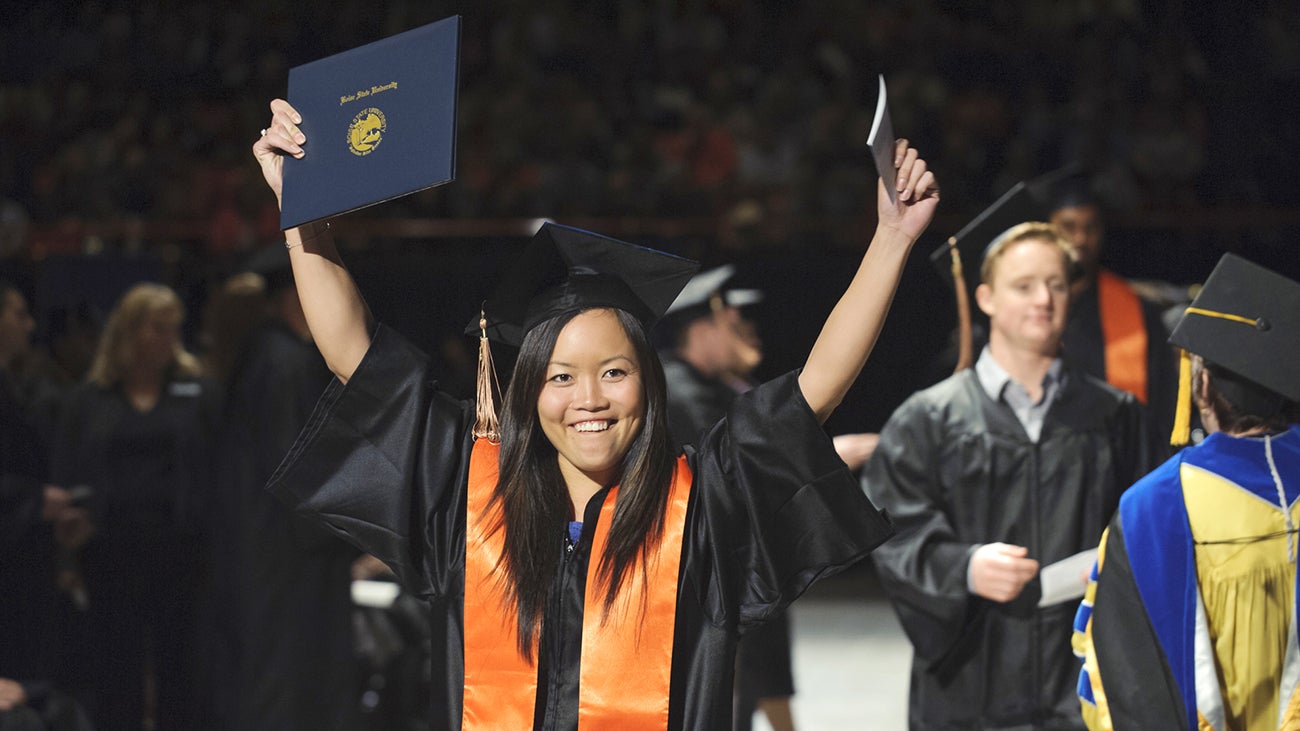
column 32, row 513
column 284, row 582
column 138, row 435
column 1112, row 333
column 709, row 357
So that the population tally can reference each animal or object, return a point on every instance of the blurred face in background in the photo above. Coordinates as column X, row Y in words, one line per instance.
column 157, row 339
column 1081, row 226
column 16, row 326
column 724, row 342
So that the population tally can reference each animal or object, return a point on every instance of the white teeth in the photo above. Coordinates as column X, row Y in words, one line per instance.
column 592, row 426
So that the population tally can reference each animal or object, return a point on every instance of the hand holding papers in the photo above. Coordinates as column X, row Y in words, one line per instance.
column 379, row 122
column 1066, row 579
column 881, row 142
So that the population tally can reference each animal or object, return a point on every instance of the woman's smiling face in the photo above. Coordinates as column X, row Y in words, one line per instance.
column 592, row 405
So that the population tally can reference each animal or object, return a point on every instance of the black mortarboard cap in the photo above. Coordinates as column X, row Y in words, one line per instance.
column 1016, row 206
column 1246, row 320
column 701, row 296
column 698, row 292
column 565, row 269
column 1025, row 201
column 273, row 265
column 1070, row 188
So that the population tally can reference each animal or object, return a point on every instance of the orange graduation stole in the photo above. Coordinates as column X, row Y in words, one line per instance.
column 626, row 657
column 1124, row 333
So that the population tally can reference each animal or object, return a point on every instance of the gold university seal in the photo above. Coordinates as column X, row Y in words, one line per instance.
column 366, row 131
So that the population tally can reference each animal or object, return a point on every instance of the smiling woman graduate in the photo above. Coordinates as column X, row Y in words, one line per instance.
column 580, row 572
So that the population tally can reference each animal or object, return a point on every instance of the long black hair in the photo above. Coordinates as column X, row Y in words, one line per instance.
column 533, row 496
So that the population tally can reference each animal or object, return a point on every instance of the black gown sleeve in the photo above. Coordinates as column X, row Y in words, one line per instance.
column 1135, row 441
column 382, row 462
column 1139, row 684
column 773, row 506
column 924, row 566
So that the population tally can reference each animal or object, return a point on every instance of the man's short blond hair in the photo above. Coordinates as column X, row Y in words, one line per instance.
column 1028, row 231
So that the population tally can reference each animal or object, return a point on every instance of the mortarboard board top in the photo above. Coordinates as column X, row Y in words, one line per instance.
column 564, row 269
column 704, row 285
column 1032, row 200
column 700, row 297
column 273, row 265
column 1246, row 320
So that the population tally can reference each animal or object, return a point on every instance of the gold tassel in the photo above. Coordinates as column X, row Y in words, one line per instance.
column 485, row 412
column 1183, row 415
column 965, row 348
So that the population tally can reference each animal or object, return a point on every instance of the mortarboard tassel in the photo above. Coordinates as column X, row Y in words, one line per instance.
column 1183, row 415
column 485, row 411
column 965, row 349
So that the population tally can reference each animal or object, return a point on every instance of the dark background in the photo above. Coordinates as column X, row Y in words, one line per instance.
column 726, row 130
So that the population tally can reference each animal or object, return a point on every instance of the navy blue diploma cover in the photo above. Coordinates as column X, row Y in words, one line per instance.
column 380, row 121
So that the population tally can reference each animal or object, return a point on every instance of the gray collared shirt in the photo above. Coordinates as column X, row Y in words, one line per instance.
column 998, row 385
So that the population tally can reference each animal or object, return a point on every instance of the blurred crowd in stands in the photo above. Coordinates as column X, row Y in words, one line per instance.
column 754, row 109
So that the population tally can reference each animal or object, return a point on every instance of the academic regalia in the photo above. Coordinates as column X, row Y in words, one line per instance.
column 27, row 610
column 955, row 469
column 145, row 566
column 1085, row 346
column 284, row 583
column 695, row 402
column 384, row 463
column 1181, row 631
column 1191, row 618
column 763, row 662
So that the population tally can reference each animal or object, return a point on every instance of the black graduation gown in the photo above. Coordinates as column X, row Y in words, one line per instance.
column 1085, row 346
column 28, row 598
column 763, row 663
column 695, row 403
column 955, row 469
column 384, row 462
column 146, row 565
column 283, row 582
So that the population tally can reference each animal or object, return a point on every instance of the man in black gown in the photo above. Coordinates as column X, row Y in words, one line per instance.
column 1003, row 468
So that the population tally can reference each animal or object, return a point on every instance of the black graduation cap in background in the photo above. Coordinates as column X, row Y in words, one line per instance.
column 1246, row 320
column 1032, row 200
column 565, row 269
column 1025, row 201
column 273, row 265
column 705, row 293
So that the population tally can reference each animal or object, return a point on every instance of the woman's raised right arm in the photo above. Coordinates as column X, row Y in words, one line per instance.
column 340, row 321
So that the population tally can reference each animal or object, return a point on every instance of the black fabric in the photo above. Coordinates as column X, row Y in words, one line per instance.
column 955, row 469
column 384, row 462
column 763, row 664
column 695, row 403
column 565, row 269
column 1085, row 347
column 1140, row 687
column 147, row 563
column 27, row 591
column 283, row 582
